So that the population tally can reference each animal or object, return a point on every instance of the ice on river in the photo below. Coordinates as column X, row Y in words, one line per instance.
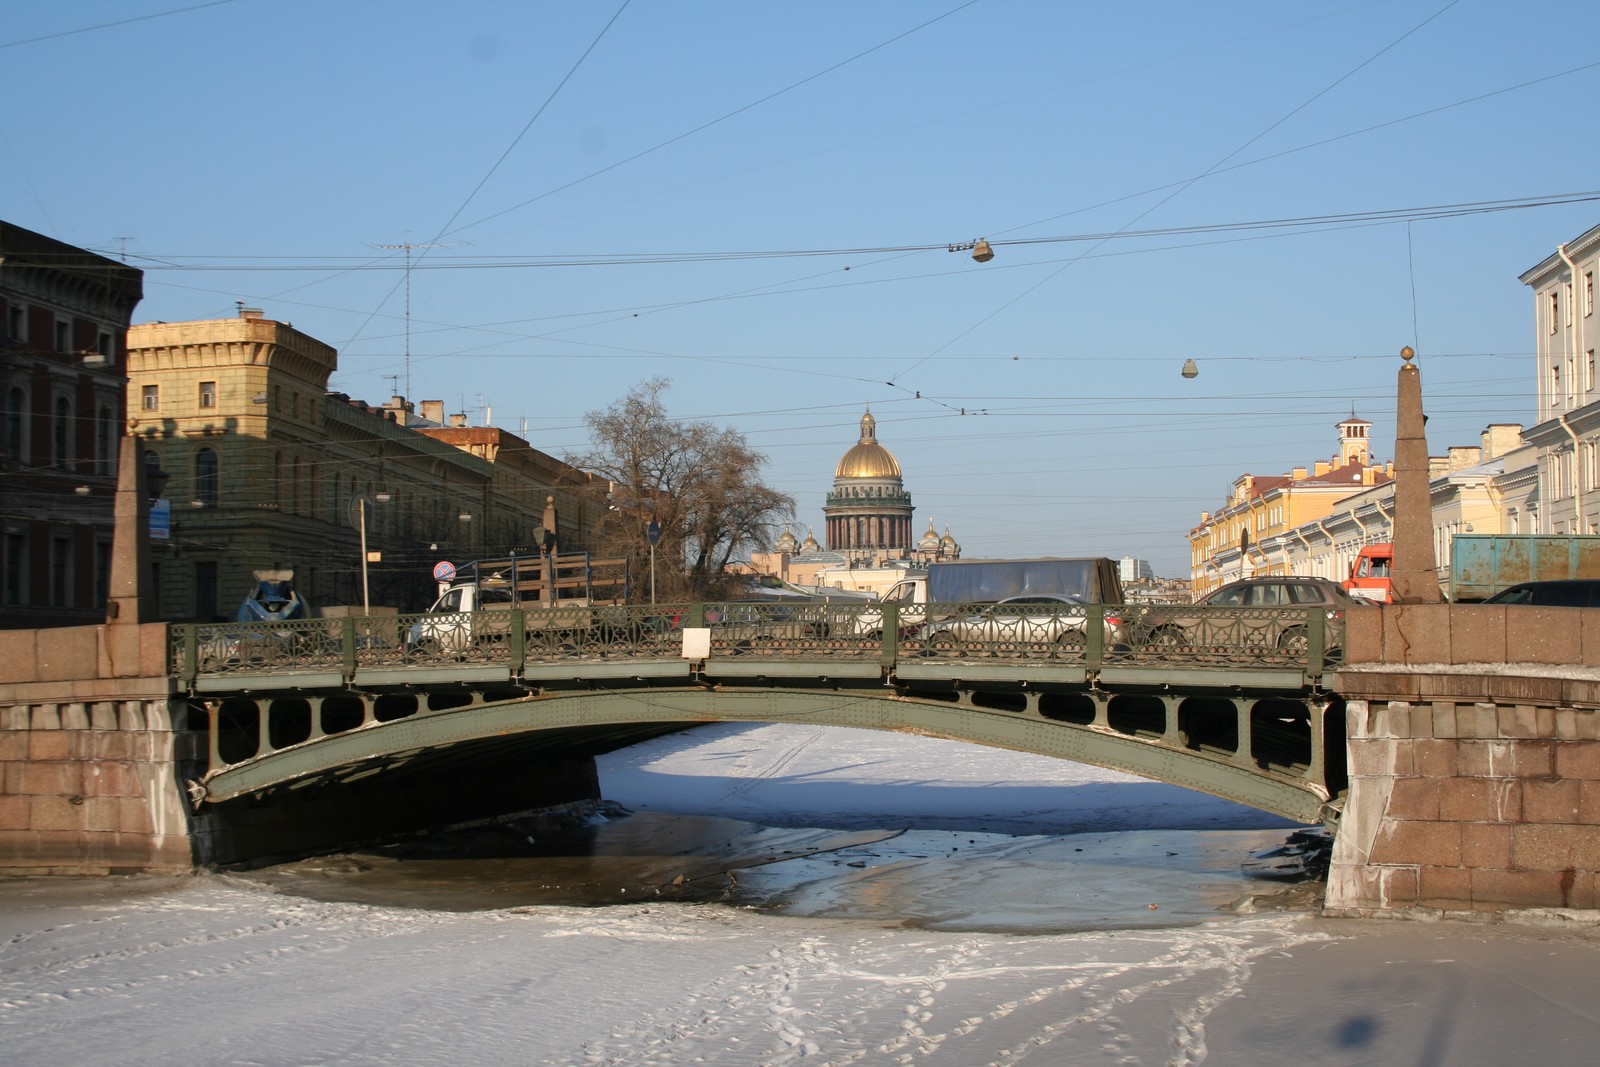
column 226, row 969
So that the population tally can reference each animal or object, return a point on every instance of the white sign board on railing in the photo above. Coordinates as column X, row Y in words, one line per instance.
column 696, row 642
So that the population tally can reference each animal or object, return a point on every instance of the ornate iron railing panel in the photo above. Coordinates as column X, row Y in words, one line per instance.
column 1090, row 637
column 1271, row 637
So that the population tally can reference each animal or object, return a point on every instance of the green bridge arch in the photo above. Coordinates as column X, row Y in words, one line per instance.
column 1267, row 750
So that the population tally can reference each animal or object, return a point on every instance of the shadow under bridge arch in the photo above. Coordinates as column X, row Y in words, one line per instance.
column 1266, row 752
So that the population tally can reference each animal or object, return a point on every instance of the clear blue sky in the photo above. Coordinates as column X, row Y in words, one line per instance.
column 599, row 190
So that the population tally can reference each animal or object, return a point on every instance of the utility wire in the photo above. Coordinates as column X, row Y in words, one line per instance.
column 110, row 25
column 720, row 119
column 1184, row 186
column 496, row 166
column 1098, row 238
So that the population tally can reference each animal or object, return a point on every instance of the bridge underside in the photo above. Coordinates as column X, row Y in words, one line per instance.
column 424, row 759
column 545, row 777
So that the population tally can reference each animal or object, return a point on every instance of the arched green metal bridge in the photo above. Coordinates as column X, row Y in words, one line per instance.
column 1221, row 700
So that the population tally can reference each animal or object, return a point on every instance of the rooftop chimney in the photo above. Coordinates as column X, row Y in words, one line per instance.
column 1500, row 438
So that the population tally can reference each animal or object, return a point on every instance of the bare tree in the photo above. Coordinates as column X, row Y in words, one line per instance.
column 701, row 484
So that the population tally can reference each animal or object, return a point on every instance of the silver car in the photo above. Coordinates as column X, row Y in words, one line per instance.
column 1020, row 623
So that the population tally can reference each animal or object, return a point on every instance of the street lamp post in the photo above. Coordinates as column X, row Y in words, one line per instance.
column 653, row 532
column 361, row 524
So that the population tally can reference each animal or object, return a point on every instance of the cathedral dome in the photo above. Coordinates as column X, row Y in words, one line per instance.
column 868, row 459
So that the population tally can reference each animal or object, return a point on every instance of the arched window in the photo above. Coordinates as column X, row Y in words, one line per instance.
column 205, row 477
column 63, row 431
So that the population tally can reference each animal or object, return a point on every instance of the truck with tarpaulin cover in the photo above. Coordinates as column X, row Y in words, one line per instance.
column 1481, row 565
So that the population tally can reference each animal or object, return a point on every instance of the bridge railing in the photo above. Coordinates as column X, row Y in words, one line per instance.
column 1089, row 636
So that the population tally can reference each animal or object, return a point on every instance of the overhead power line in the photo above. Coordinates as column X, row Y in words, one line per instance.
column 1303, row 222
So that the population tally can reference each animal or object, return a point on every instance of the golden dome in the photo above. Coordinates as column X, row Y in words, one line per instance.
column 868, row 459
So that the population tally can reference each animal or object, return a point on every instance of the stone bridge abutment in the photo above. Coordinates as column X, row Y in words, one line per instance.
column 89, row 759
column 1474, row 762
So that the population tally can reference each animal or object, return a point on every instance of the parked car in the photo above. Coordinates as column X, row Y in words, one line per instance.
column 1283, row 630
column 1565, row 593
column 1020, row 622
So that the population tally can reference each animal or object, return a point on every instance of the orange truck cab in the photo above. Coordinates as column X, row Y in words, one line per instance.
column 1372, row 574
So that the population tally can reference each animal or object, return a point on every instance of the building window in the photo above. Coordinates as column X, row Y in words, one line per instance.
column 63, row 429
column 205, row 478
column 12, row 423
column 105, row 436
column 63, row 336
column 1588, row 382
column 1588, row 292
column 1568, row 289
column 205, row 590
column 150, row 397
column 16, row 558
column 60, row 572
column 1555, row 312
column 17, row 322
column 208, row 394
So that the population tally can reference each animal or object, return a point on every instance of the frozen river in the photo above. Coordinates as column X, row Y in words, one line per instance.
column 885, row 900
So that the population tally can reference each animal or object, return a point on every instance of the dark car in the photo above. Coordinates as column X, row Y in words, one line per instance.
column 1567, row 593
column 1279, row 591
column 1280, row 622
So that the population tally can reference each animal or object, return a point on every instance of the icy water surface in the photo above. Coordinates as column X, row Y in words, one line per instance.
column 948, row 880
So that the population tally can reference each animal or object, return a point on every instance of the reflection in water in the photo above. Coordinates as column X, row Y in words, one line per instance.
column 949, row 880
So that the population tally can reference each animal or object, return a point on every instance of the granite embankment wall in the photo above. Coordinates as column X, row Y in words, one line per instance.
column 88, row 755
column 1474, row 747
column 96, row 749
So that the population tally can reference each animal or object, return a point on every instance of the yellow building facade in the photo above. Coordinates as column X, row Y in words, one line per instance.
column 1228, row 544
column 267, row 470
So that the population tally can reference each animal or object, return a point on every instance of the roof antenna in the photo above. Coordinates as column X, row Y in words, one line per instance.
column 407, row 248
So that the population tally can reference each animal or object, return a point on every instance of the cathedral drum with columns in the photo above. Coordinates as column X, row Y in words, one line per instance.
column 868, row 513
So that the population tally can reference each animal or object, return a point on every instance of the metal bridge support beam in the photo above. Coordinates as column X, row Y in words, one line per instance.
column 1102, row 709
column 1171, row 736
column 1242, row 754
column 1317, row 772
column 316, row 717
column 213, row 735
column 263, row 727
